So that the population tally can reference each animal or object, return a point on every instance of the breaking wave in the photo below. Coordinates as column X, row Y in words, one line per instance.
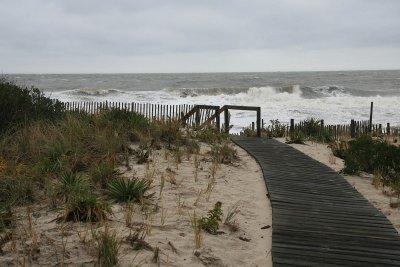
column 95, row 92
column 306, row 92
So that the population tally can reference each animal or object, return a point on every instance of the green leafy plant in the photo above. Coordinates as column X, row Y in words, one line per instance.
column 210, row 223
column 369, row 155
column 126, row 190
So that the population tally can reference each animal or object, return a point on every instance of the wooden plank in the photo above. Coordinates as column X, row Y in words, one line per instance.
column 318, row 218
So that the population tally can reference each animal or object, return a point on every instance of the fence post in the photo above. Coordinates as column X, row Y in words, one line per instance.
column 370, row 117
column 291, row 128
column 197, row 119
column 352, row 129
column 258, row 121
column 388, row 129
column 322, row 127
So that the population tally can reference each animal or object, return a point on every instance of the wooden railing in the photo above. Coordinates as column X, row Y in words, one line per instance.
column 216, row 116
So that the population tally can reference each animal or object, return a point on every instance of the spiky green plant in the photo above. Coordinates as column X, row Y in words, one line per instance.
column 73, row 184
column 126, row 190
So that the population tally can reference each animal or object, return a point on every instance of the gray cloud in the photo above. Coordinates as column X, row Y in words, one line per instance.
column 122, row 35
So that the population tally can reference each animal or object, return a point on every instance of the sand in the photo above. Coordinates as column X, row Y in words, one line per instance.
column 166, row 222
column 379, row 197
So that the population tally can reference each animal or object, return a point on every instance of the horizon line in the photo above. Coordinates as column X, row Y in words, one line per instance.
column 191, row 72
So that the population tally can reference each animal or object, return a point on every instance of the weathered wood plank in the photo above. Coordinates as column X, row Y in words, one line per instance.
column 318, row 218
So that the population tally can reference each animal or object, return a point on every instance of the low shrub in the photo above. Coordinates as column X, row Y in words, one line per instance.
column 19, row 104
column 369, row 155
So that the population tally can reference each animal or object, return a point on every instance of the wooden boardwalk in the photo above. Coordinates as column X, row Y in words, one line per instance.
column 318, row 219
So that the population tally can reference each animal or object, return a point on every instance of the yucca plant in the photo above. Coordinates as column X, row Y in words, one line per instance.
column 72, row 184
column 126, row 190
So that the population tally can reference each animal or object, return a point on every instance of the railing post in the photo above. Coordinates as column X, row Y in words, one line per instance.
column 258, row 122
column 197, row 120
column 217, row 120
column 226, row 117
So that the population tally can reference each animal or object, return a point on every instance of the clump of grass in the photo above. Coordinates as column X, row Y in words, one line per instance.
column 142, row 155
column 192, row 147
column 167, row 132
column 211, row 135
column 230, row 219
column 137, row 240
column 162, row 183
column 86, row 208
column 156, row 256
column 17, row 190
column 107, row 248
column 196, row 168
column 296, row 138
column 276, row 129
column 197, row 230
column 210, row 223
column 103, row 173
column 126, row 190
column 223, row 153
column 129, row 211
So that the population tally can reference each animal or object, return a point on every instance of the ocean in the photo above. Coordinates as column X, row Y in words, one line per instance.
column 335, row 96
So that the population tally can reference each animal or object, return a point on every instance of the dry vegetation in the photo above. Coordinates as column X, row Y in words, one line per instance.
column 113, row 189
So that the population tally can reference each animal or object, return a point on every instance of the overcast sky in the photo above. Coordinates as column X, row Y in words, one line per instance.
column 95, row 36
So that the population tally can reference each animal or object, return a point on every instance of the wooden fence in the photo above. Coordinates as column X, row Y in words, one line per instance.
column 198, row 115
column 150, row 111
column 343, row 131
